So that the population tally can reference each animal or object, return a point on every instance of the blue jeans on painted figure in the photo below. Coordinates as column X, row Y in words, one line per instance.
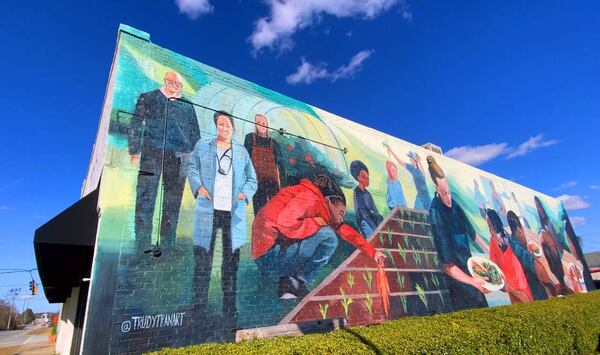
column 302, row 260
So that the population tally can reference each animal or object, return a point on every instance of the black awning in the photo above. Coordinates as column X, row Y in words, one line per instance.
column 64, row 248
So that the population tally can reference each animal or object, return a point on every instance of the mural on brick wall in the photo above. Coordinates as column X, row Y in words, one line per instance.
column 226, row 206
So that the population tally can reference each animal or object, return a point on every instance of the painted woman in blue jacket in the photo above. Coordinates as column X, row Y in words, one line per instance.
column 223, row 181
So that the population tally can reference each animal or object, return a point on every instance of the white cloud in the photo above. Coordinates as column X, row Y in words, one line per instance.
column 4, row 208
column 406, row 11
column 288, row 16
column 477, row 155
column 306, row 72
column 565, row 185
column 194, row 8
column 355, row 65
column 573, row 202
column 577, row 221
column 532, row 143
column 594, row 187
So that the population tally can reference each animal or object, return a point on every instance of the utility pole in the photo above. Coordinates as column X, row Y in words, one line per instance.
column 15, row 292
column 25, row 302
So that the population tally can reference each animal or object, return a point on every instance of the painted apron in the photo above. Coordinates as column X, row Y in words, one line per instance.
column 267, row 173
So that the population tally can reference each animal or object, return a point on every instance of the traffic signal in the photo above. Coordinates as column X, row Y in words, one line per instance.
column 33, row 287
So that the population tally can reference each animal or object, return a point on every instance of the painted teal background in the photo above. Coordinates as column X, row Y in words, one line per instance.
column 138, row 68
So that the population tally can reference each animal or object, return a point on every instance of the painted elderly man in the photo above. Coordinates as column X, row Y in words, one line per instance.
column 163, row 133
column 223, row 181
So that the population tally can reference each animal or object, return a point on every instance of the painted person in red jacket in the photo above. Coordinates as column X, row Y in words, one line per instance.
column 502, row 253
column 296, row 233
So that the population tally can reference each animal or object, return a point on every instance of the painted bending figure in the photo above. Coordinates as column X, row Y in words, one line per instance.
column 479, row 198
column 367, row 216
column 161, row 124
column 452, row 234
column 223, row 180
column 521, row 210
column 395, row 192
column 265, row 155
column 502, row 253
column 497, row 203
column 296, row 233
column 415, row 168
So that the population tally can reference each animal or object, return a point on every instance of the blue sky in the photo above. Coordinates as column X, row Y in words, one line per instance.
column 511, row 86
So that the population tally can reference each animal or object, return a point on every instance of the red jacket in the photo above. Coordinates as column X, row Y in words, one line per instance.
column 511, row 267
column 291, row 213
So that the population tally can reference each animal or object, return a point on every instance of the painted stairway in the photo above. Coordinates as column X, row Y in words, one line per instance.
column 416, row 284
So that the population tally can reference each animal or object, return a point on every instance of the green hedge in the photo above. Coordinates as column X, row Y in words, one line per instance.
column 557, row 326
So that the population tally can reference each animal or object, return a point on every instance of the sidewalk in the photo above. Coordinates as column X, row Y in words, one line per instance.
column 34, row 342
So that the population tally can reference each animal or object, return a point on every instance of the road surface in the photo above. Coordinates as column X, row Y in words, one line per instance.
column 20, row 337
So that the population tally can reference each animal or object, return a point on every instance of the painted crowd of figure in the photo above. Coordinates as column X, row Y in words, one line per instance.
column 299, row 218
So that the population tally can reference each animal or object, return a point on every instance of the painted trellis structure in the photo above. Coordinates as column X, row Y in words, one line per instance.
column 415, row 280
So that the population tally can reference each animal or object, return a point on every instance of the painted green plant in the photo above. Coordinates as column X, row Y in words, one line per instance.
column 389, row 235
column 417, row 244
column 369, row 303
column 323, row 308
column 368, row 277
column 390, row 257
column 416, row 256
column 436, row 261
column 346, row 301
column 350, row 279
column 400, row 279
column 381, row 238
column 404, row 305
column 421, row 293
column 402, row 252
column 436, row 281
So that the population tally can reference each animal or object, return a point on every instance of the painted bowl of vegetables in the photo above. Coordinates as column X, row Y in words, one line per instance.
column 486, row 270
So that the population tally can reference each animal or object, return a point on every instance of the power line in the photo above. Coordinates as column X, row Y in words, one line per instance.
column 14, row 271
column 15, row 285
column 11, row 272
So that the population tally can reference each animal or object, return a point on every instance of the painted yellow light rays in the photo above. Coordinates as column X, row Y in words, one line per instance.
column 156, row 70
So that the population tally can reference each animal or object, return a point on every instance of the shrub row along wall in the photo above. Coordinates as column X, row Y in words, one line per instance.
column 226, row 206
column 557, row 326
